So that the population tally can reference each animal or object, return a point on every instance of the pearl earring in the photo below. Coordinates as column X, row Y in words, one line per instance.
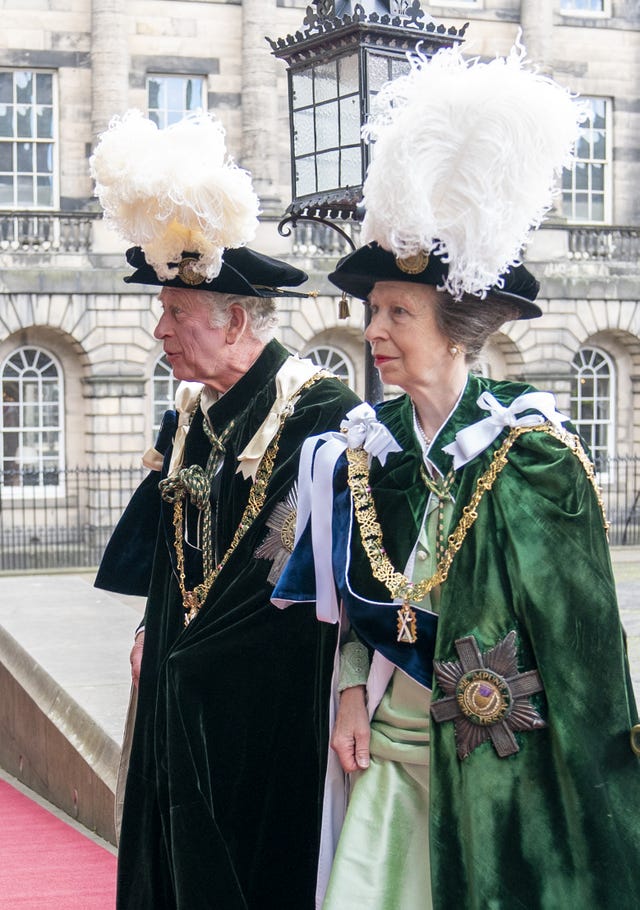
column 454, row 350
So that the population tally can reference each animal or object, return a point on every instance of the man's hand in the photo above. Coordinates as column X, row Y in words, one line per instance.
column 135, row 657
column 351, row 732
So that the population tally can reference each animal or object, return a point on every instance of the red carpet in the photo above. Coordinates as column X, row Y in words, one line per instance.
column 46, row 864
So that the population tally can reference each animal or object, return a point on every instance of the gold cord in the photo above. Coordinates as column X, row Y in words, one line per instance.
column 398, row 585
column 193, row 600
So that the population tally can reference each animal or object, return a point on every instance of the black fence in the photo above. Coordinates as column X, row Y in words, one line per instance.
column 63, row 519
column 55, row 519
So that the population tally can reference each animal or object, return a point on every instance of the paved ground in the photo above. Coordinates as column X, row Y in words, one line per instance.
column 82, row 636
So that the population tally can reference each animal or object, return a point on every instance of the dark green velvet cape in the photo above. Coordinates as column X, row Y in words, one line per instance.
column 224, row 789
column 554, row 826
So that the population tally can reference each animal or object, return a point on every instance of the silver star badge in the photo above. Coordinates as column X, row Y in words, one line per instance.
column 278, row 544
column 486, row 697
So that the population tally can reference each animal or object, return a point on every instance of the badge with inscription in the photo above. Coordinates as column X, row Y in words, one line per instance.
column 486, row 697
column 278, row 544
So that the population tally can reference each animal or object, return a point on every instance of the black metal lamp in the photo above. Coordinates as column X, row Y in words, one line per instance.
column 337, row 62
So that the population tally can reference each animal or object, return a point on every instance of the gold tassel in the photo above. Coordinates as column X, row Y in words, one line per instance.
column 343, row 307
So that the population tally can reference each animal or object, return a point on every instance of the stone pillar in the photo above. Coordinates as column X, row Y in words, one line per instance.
column 260, row 102
column 109, row 62
column 536, row 19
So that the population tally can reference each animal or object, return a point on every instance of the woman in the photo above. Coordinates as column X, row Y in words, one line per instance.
column 485, row 702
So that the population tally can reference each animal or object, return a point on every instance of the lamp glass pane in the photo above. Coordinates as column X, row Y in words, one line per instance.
column 327, row 126
column 303, row 132
column 348, row 76
column 349, row 120
column 302, row 88
column 328, row 171
column 326, row 81
column 351, row 167
column 305, row 176
column 378, row 71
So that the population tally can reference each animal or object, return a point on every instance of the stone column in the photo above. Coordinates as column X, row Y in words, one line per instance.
column 536, row 19
column 109, row 62
column 260, row 126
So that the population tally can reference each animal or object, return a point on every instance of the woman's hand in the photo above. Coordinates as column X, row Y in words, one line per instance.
column 135, row 658
column 351, row 732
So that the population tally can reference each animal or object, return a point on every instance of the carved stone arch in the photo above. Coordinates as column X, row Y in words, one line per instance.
column 501, row 358
column 347, row 345
column 73, row 360
column 622, row 348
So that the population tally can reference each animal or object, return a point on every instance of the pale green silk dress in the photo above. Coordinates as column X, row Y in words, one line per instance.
column 382, row 859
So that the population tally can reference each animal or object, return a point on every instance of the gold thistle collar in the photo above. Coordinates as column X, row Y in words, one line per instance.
column 398, row 585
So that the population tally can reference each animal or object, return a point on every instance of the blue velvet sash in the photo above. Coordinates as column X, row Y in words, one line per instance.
column 375, row 622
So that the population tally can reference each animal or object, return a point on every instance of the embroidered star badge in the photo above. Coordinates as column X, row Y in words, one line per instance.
column 486, row 697
column 278, row 544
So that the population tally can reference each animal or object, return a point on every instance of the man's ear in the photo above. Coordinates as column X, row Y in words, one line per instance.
column 237, row 323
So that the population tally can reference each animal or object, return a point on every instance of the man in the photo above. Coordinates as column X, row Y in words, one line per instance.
column 224, row 787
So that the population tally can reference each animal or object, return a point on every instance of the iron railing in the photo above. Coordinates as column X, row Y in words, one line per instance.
column 63, row 519
column 60, row 519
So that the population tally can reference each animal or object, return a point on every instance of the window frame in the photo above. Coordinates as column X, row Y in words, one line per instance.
column 332, row 351
column 54, row 142
column 166, row 119
column 607, row 165
column 39, row 489
column 161, row 360
column 610, row 423
column 604, row 13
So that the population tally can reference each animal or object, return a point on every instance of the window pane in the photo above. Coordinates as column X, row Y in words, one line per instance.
column 326, row 87
column 6, row 156
column 302, row 88
column 6, row 120
column 351, row 167
column 327, row 125
column 348, row 81
column 328, row 171
column 44, row 88
column 304, row 136
column 24, row 186
column 25, row 157
column 6, row 88
column 350, row 120
column 24, row 86
column 305, row 176
column 44, row 122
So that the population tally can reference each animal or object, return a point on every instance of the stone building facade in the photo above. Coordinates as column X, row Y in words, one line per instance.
column 83, row 377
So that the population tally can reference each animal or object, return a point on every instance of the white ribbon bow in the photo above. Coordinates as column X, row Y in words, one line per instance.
column 291, row 376
column 477, row 437
column 318, row 459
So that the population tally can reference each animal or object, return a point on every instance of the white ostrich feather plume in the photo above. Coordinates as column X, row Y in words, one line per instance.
column 466, row 161
column 174, row 190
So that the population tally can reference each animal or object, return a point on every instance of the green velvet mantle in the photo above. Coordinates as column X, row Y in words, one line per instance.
column 224, row 788
column 554, row 826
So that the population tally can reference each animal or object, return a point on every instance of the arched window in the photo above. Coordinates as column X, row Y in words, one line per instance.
column 593, row 402
column 333, row 359
column 164, row 391
column 32, row 432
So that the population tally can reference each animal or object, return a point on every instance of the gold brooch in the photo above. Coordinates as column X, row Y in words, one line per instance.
column 189, row 273
column 413, row 265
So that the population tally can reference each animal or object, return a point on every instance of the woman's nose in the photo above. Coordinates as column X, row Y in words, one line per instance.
column 374, row 328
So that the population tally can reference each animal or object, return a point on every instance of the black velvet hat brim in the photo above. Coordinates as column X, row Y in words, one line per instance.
column 244, row 272
column 358, row 272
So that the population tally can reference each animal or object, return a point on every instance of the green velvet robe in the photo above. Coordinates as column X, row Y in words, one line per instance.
column 224, row 788
column 554, row 826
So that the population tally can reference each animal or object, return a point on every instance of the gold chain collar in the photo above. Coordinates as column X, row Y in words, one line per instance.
column 398, row 585
column 193, row 600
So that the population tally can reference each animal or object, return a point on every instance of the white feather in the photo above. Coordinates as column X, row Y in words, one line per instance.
column 465, row 162
column 174, row 190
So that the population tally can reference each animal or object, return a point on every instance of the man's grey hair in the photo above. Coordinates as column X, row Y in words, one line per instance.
column 261, row 312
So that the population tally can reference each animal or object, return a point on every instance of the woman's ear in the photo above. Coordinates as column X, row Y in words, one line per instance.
column 237, row 323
